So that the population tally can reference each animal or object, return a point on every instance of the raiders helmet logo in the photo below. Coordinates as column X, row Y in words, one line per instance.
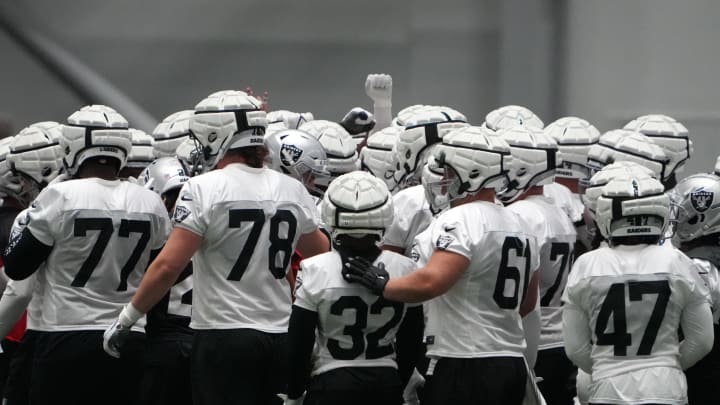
column 701, row 200
column 180, row 214
column 444, row 241
column 289, row 154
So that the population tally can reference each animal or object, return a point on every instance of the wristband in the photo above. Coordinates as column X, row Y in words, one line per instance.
column 129, row 315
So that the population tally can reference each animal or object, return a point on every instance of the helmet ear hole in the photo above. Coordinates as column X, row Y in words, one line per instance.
column 693, row 220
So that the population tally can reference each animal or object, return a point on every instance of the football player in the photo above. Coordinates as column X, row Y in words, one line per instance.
column 35, row 160
column 574, row 136
column 241, row 222
column 341, row 151
column 90, row 238
column 671, row 136
column 697, row 233
column 480, row 280
column 535, row 161
column 166, row 374
column 171, row 132
column 625, row 303
column 141, row 155
column 366, row 346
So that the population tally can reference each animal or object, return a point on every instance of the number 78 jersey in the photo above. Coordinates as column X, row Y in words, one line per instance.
column 250, row 221
column 633, row 297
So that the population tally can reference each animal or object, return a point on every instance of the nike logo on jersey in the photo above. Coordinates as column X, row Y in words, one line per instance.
column 185, row 197
column 449, row 228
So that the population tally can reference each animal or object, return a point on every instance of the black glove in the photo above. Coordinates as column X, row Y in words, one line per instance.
column 358, row 121
column 360, row 270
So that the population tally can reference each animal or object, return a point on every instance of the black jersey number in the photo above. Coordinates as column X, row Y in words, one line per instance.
column 509, row 272
column 614, row 304
column 373, row 349
column 278, row 243
column 566, row 252
column 105, row 227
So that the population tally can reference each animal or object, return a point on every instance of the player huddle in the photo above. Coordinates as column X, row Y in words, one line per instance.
column 238, row 256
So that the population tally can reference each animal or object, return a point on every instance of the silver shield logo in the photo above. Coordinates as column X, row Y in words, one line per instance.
column 701, row 200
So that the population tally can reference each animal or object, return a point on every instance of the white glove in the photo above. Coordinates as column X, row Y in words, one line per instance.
column 114, row 337
column 410, row 395
column 288, row 401
column 379, row 88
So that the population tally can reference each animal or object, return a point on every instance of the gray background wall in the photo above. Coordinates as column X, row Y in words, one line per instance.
column 604, row 60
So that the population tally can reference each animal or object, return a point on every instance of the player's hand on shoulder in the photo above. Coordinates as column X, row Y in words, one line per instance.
column 363, row 271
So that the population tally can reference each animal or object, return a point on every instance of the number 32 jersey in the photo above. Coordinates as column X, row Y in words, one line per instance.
column 356, row 328
column 102, row 232
column 479, row 316
column 250, row 220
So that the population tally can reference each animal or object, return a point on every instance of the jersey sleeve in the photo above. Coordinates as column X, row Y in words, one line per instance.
column 573, row 294
column 397, row 232
column 306, row 294
column 189, row 210
column 44, row 216
column 450, row 233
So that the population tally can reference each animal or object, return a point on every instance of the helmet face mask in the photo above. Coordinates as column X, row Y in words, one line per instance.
column 435, row 186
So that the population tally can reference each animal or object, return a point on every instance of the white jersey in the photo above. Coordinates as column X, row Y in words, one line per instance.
column 355, row 327
column 478, row 316
column 250, row 220
column 412, row 216
column 571, row 203
column 102, row 233
column 710, row 275
column 556, row 242
column 633, row 297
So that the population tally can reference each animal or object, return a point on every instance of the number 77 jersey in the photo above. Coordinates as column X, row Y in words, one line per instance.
column 633, row 297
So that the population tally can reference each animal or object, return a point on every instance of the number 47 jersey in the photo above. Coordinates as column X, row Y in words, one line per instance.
column 633, row 297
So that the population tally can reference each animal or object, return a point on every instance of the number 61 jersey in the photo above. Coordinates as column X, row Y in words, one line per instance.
column 479, row 316
column 250, row 220
column 633, row 297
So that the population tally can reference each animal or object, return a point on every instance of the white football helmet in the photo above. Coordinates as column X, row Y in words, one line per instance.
column 668, row 134
column 163, row 174
column 423, row 129
column 608, row 173
column 94, row 131
column 225, row 120
column 299, row 155
column 377, row 156
column 357, row 203
column 142, row 152
column 284, row 119
column 432, row 174
column 698, row 200
column 171, row 132
column 535, row 160
column 10, row 183
column 405, row 113
column 574, row 137
column 473, row 158
column 633, row 206
column 342, row 156
column 36, row 154
column 622, row 145
column 512, row 115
